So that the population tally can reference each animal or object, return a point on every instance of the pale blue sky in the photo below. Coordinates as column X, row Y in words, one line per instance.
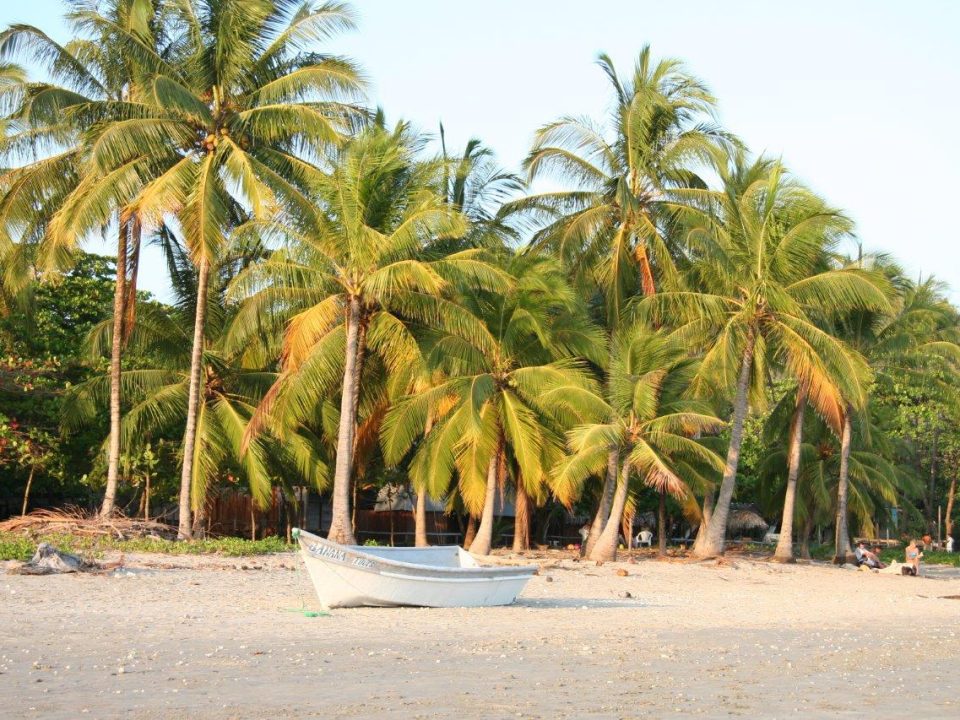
column 858, row 97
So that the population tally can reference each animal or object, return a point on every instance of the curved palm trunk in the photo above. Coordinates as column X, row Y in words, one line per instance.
column 606, row 501
column 843, row 552
column 784, row 551
column 606, row 547
column 420, row 513
column 116, row 350
column 705, row 515
column 662, row 524
column 483, row 540
column 185, row 530
column 715, row 539
column 521, row 521
column 341, row 527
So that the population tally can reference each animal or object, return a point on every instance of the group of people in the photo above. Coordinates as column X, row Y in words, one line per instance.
column 871, row 559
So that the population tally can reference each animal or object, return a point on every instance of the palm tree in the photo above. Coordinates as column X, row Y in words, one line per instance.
column 755, row 281
column 909, row 340
column 477, row 187
column 159, row 403
column 217, row 133
column 372, row 258
column 94, row 72
column 505, row 402
column 873, row 480
column 612, row 227
column 651, row 426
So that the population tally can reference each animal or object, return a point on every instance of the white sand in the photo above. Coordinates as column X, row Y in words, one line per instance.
column 207, row 639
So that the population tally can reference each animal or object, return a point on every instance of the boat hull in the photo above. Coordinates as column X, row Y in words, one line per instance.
column 347, row 576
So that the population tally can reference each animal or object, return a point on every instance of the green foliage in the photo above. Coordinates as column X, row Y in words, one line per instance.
column 17, row 547
column 62, row 312
column 222, row 132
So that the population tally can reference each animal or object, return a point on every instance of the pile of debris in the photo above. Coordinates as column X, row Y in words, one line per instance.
column 47, row 560
column 73, row 521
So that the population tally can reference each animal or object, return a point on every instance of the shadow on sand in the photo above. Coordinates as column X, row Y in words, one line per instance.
column 585, row 603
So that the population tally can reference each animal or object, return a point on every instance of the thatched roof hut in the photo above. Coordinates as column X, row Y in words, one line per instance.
column 745, row 518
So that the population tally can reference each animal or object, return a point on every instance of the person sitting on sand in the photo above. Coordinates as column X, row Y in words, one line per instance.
column 867, row 557
column 912, row 556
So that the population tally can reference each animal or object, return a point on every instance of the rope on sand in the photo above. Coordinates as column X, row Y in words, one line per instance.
column 299, row 580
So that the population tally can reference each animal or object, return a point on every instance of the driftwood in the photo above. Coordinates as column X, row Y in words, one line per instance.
column 47, row 560
column 73, row 521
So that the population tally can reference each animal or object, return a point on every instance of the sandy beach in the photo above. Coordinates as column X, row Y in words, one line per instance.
column 219, row 638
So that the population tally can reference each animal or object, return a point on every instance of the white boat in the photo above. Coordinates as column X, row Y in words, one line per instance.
column 441, row 576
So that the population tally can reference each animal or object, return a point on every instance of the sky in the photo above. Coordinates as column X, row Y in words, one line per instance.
column 857, row 97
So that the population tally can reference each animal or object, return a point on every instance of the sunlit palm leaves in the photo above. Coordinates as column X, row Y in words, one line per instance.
column 612, row 226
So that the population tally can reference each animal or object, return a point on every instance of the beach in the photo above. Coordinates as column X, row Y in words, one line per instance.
column 224, row 638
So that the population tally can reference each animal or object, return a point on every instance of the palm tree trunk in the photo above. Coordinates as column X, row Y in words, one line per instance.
column 341, row 527
column 606, row 547
column 626, row 527
column 484, row 539
column 420, row 515
column 471, row 533
column 662, row 524
column 843, row 553
column 420, row 521
column 26, row 491
column 784, row 551
column 705, row 515
column 146, row 497
column 200, row 518
column 521, row 521
column 116, row 350
column 931, row 490
column 805, row 538
column 185, row 530
column 606, row 501
column 133, row 262
column 715, row 538
column 948, row 518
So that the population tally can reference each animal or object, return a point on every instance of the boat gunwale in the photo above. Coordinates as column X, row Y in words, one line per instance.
column 479, row 572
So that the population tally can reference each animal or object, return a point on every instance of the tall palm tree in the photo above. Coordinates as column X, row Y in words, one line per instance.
column 754, row 284
column 651, row 426
column 505, row 403
column 614, row 227
column 477, row 187
column 215, row 135
column 373, row 257
column 91, row 71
